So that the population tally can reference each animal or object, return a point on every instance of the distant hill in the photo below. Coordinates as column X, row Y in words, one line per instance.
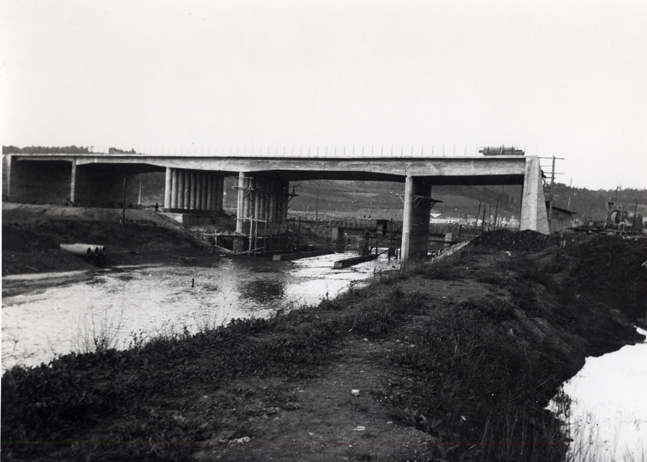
column 457, row 201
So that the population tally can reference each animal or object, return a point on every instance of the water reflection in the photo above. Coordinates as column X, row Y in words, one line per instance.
column 262, row 291
column 146, row 301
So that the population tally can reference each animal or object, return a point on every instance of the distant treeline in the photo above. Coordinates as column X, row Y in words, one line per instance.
column 59, row 150
column 46, row 149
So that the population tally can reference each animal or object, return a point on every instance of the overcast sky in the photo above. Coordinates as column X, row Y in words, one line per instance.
column 558, row 78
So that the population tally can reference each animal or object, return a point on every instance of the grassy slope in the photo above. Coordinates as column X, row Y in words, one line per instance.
column 461, row 357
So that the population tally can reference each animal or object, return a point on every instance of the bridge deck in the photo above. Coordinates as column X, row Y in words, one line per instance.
column 441, row 170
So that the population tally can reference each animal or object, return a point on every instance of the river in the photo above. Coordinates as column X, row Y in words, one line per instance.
column 608, row 420
column 129, row 304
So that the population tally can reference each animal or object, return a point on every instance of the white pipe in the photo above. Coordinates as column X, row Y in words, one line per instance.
column 84, row 250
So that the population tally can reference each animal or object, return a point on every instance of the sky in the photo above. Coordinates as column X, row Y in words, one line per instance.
column 556, row 78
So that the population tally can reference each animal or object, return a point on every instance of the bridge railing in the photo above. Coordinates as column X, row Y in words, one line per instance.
column 374, row 151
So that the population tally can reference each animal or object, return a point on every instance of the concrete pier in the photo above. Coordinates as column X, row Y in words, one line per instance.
column 533, row 203
column 192, row 191
column 415, row 219
column 261, row 200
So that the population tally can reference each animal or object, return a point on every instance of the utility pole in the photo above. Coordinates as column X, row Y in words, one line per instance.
column 123, row 215
column 496, row 212
column 552, row 183
column 483, row 220
column 317, row 205
column 550, row 188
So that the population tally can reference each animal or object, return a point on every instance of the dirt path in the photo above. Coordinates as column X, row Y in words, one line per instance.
column 339, row 416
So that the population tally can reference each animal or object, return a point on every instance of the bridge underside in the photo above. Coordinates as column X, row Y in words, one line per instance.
column 436, row 180
column 196, row 185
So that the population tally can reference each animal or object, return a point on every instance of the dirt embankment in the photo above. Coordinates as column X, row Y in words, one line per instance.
column 32, row 234
column 448, row 361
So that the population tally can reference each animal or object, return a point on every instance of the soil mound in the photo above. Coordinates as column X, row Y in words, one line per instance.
column 526, row 241
column 609, row 269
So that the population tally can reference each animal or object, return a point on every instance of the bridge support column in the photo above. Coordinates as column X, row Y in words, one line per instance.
column 73, row 182
column 337, row 239
column 415, row 224
column 192, row 190
column 168, row 181
column 6, row 176
column 240, row 203
column 263, row 200
column 533, row 201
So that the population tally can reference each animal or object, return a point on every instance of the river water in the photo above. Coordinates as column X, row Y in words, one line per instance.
column 608, row 418
column 140, row 302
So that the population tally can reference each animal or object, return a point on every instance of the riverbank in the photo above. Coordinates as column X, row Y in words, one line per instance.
column 32, row 235
column 448, row 361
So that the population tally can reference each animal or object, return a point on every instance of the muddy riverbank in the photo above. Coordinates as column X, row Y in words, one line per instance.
column 448, row 361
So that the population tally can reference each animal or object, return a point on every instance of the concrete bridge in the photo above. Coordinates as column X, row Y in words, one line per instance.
column 193, row 184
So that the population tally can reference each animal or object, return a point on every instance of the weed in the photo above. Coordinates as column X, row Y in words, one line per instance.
column 98, row 336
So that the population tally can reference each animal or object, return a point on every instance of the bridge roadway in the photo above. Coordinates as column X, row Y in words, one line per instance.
column 194, row 183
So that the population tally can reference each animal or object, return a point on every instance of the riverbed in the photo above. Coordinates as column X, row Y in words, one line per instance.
column 126, row 305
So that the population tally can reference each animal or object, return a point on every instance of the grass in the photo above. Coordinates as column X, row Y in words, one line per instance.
column 98, row 335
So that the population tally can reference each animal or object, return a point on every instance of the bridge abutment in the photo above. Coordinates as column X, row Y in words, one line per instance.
column 533, row 202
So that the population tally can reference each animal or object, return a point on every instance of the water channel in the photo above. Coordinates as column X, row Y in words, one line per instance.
column 608, row 420
column 146, row 301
